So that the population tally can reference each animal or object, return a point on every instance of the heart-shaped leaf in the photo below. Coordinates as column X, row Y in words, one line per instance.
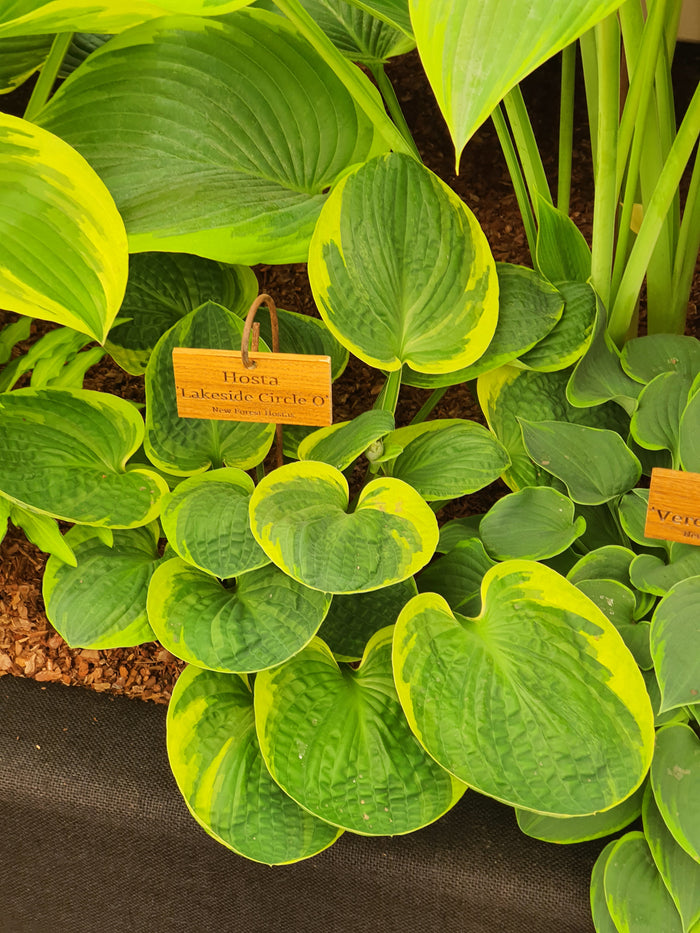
column 537, row 522
column 190, row 445
column 675, row 780
column 205, row 518
column 63, row 453
column 653, row 575
column 237, row 175
column 675, row 636
column 215, row 758
column 429, row 297
column 656, row 420
column 63, row 242
column 340, row 444
column 336, row 740
column 101, row 602
column 536, row 702
column 581, row 828
column 298, row 514
column 643, row 358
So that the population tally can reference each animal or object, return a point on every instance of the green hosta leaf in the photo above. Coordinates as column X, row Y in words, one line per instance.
column 394, row 12
column 101, row 602
column 537, row 522
column 675, row 780
column 42, row 531
column 63, row 453
column 537, row 702
column 571, row 335
column 32, row 17
column 456, row 530
column 474, row 53
column 675, row 637
column 681, row 874
column 11, row 334
column 205, row 519
column 191, row 445
column 632, row 509
column 163, row 288
column 340, row 444
column 265, row 619
column 656, row 420
column 354, row 618
column 562, row 253
column 64, row 247
column 20, row 57
column 335, row 739
column 82, row 44
column 237, row 175
column 611, row 562
column 599, row 909
column 528, row 309
column 636, row 895
column 457, row 576
column 51, row 351
column 662, row 719
column 643, row 358
column 689, row 435
column 581, row 828
column 508, row 395
column 618, row 603
column 447, row 458
column 299, row 518
column 429, row 296
column 653, row 575
column 595, row 464
column 215, row 758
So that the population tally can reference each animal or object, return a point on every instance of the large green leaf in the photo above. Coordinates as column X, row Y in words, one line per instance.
column 394, row 12
column 536, row 522
column 571, row 336
column 341, row 443
column 101, row 602
column 163, row 288
column 20, row 57
column 675, row 780
column 536, row 702
column 182, row 446
column 336, row 740
column 32, row 17
column 215, row 758
column 205, row 519
column 261, row 621
column 474, row 53
column 618, row 603
column 643, row 358
column 675, row 640
column 654, row 575
column 64, row 253
column 63, row 453
column 239, row 173
column 299, row 517
column 689, row 433
column 581, row 828
column 656, row 420
column 401, row 271
column 457, row 576
column 599, row 908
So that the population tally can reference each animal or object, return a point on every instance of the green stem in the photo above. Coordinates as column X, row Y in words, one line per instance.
column 359, row 87
column 526, row 145
column 516, row 177
column 389, row 396
column 425, row 409
column 48, row 75
column 393, row 106
column 566, row 127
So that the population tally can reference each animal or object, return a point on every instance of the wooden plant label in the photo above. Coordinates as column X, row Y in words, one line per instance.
column 674, row 506
column 282, row 388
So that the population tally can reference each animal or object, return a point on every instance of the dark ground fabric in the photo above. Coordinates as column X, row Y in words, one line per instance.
column 96, row 839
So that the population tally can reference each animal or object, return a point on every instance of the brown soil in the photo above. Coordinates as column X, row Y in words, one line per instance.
column 30, row 647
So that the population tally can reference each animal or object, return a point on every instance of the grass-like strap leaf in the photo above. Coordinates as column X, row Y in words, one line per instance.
column 64, row 252
column 536, row 702
column 336, row 740
column 215, row 758
column 298, row 514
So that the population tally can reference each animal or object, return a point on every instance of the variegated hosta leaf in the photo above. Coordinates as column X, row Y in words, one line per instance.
column 63, row 453
column 101, row 602
column 656, row 420
column 447, row 458
column 237, row 175
column 341, row 443
column 571, row 336
column 602, row 920
column 675, row 644
column 261, row 621
column 537, row 522
column 182, row 446
column 595, row 464
column 215, row 758
column 636, row 895
column 618, row 603
column 675, row 780
column 20, row 57
column 299, row 517
column 429, row 297
column 41, row 530
column 643, row 358
column 562, row 254
column 457, row 576
column 64, row 255
column 509, row 395
column 336, row 740
column 394, row 12
column 163, row 288
column 81, row 45
column 680, row 872
column 33, row 17
column 581, row 828
column 474, row 53
column 673, row 716
column 205, row 518
column 354, row 618
column 536, row 702
column 528, row 308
